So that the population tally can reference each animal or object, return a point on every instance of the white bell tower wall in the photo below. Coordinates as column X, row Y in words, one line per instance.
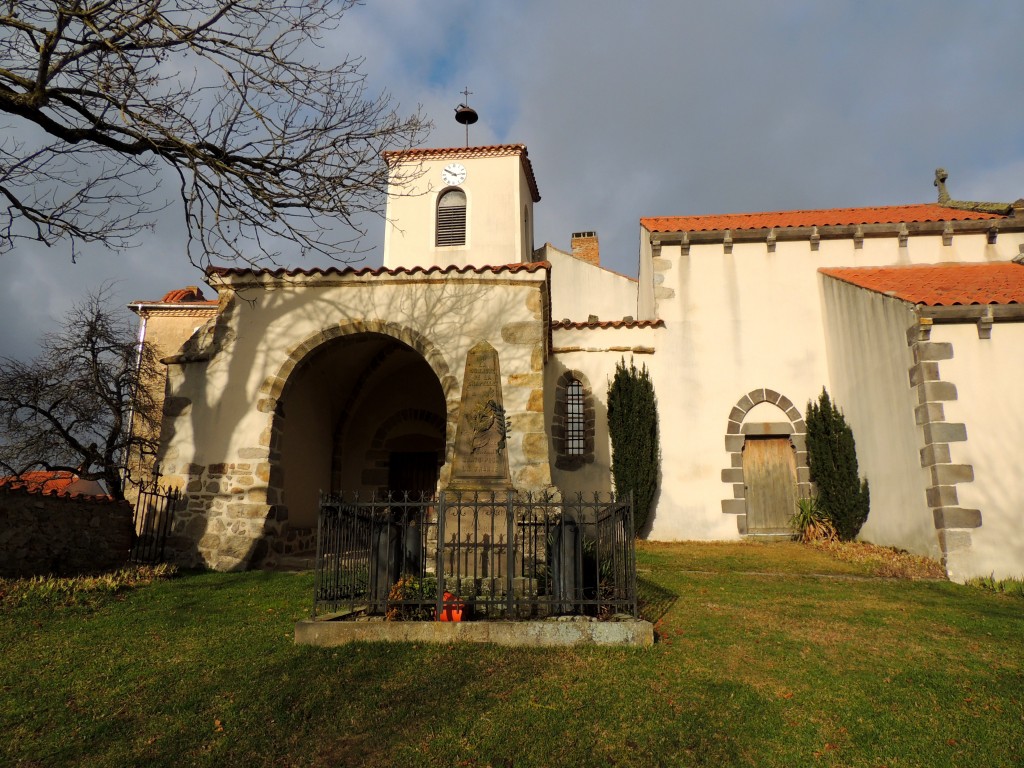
column 499, row 189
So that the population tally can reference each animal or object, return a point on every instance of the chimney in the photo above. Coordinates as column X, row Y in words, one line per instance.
column 585, row 248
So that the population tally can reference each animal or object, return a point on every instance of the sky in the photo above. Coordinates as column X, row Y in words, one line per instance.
column 649, row 108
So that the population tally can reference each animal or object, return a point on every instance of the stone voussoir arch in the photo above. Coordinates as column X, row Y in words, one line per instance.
column 275, row 385
column 735, row 438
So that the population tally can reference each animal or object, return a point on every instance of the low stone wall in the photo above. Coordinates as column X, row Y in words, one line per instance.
column 534, row 634
column 47, row 533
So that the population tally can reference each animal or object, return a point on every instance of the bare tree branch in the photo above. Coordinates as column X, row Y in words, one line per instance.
column 68, row 409
column 267, row 143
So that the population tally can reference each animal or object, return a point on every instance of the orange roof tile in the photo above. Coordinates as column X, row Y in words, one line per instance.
column 190, row 293
column 940, row 285
column 53, row 483
column 379, row 271
column 491, row 150
column 891, row 214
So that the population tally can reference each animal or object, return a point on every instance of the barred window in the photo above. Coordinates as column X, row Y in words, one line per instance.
column 451, row 218
column 575, row 424
column 572, row 421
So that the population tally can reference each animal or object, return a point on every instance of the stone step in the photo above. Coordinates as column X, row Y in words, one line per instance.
column 771, row 536
column 296, row 562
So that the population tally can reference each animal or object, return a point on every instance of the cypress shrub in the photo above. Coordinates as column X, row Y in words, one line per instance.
column 832, row 456
column 633, row 427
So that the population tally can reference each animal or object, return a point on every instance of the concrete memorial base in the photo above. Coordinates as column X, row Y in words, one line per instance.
column 554, row 632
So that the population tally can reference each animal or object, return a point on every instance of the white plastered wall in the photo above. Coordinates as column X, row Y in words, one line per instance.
column 989, row 377
column 868, row 359
column 740, row 321
column 580, row 289
column 497, row 197
column 595, row 352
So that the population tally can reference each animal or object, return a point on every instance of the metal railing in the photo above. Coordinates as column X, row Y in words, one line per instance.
column 474, row 554
column 154, row 513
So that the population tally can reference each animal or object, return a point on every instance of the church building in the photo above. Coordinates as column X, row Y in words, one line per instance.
column 295, row 381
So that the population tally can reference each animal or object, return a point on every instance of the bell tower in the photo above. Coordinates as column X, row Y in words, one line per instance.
column 464, row 206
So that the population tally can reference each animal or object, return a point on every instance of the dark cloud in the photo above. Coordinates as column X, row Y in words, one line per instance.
column 654, row 108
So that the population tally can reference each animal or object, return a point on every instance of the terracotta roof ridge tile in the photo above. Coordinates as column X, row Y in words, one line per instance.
column 47, row 483
column 476, row 151
column 55, row 493
column 849, row 216
column 590, row 324
column 532, row 266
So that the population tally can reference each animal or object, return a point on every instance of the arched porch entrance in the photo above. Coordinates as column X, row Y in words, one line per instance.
column 362, row 412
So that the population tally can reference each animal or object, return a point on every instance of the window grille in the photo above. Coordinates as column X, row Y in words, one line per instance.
column 451, row 218
column 575, row 425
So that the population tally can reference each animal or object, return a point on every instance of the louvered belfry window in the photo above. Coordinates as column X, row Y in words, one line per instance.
column 451, row 218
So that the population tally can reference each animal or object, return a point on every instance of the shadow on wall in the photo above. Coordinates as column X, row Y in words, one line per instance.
column 572, row 476
column 236, row 514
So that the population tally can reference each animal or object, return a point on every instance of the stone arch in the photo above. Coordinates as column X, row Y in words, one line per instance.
column 564, row 459
column 275, row 387
column 736, row 433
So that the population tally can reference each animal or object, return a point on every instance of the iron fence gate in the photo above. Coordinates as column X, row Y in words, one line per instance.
column 154, row 513
column 474, row 554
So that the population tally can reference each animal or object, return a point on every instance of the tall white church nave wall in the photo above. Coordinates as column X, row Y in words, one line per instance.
column 744, row 318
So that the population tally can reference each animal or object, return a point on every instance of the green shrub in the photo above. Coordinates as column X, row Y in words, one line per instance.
column 1011, row 586
column 844, row 498
column 810, row 523
column 633, row 427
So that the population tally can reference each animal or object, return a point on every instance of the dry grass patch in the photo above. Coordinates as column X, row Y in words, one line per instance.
column 781, row 557
column 887, row 562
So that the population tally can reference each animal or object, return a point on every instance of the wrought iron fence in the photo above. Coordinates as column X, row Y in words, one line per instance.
column 154, row 513
column 474, row 554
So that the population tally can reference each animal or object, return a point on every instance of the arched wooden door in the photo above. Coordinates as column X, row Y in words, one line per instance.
column 769, row 472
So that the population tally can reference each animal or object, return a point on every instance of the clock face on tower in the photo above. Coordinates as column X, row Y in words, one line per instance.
column 453, row 174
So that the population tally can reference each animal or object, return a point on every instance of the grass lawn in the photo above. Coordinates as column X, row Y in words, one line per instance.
column 768, row 655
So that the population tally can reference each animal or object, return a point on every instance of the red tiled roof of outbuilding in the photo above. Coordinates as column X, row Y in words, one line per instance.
column 890, row 214
column 190, row 295
column 940, row 285
column 53, row 483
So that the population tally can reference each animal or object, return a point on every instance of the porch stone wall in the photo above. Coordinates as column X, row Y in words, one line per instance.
column 523, row 393
column 234, row 519
column 222, row 441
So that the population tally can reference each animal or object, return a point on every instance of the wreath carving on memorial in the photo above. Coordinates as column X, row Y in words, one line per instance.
column 490, row 427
